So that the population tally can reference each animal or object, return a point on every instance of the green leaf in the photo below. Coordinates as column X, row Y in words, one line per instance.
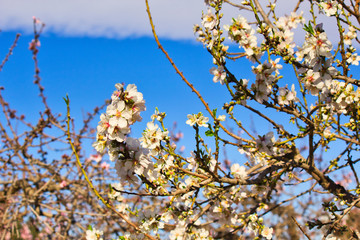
column 302, row 129
column 67, row 100
column 214, row 112
column 90, row 227
column 308, row 28
column 209, row 133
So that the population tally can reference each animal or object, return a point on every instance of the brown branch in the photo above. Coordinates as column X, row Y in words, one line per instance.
column 302, row 230
column 10, row 51
column 184, row 79
column 265, row 17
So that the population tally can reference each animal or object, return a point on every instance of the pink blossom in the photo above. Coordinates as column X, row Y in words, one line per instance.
column 95, row 157
column 182, row 148
column 105, row 166
column 33, row 44
column 179, row 135
column 63, row 184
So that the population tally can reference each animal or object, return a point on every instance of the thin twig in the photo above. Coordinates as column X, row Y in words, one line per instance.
column 302, row 230
column 10, row 51
column 185, row 80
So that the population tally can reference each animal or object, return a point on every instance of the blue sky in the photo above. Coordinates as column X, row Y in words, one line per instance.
column 85, row 52
column 87, row 68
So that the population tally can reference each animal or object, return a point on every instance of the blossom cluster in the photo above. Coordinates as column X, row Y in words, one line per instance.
column 315, row 47
column 152, row 137
column 124, row 110
column 264, row 80
column 350, row 35
column 287, row 96
column 284, row 36
column 344, row 98
column 238, row 171
column 255, row 225
column 131, row 156
column 317, row 71
column 243, row 34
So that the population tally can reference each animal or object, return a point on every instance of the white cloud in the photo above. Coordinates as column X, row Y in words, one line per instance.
column 109, row 18
column 173, row 19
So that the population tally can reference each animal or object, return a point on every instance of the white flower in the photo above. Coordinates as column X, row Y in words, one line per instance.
column 252, row 224
column 286, row 96
column 100, row 143
column 253, row 217
column 290, row 22
column 353, row 59
column 94, row 234
column 331, row 237
column 158, row 115
column 311, row 80
column 238, row 171
column 166, row 217
column 241, row 32
column 219, row 74
column 315, row 47
column 197, row 119
column 330, row 7
column 267, row 232
column 262, row 91
column 193, row 164
column 104, row 124
column 121, row 208
column 351, row 34
column 117, row 133
column 125, row 171
column 221, row 118
column 266, row 143
column 152, row 137
column 179, row 232
column 209, row 20
column 212, row 164
column 275, row 65
column 202, row 234
column 115, row 193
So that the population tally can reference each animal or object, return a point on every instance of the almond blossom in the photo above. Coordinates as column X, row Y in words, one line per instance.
column 266, row 143
column 330, row 7
column 197, row 119
column 238, row 171
column 219, row 74
column 285, row 96
column 267, row 232
column 290, row 22
column 94, row 234
column 241, row 32
column 314, row 48
column 350, row 35
column 353, row 59
column 209, row 20
column 152, row 137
